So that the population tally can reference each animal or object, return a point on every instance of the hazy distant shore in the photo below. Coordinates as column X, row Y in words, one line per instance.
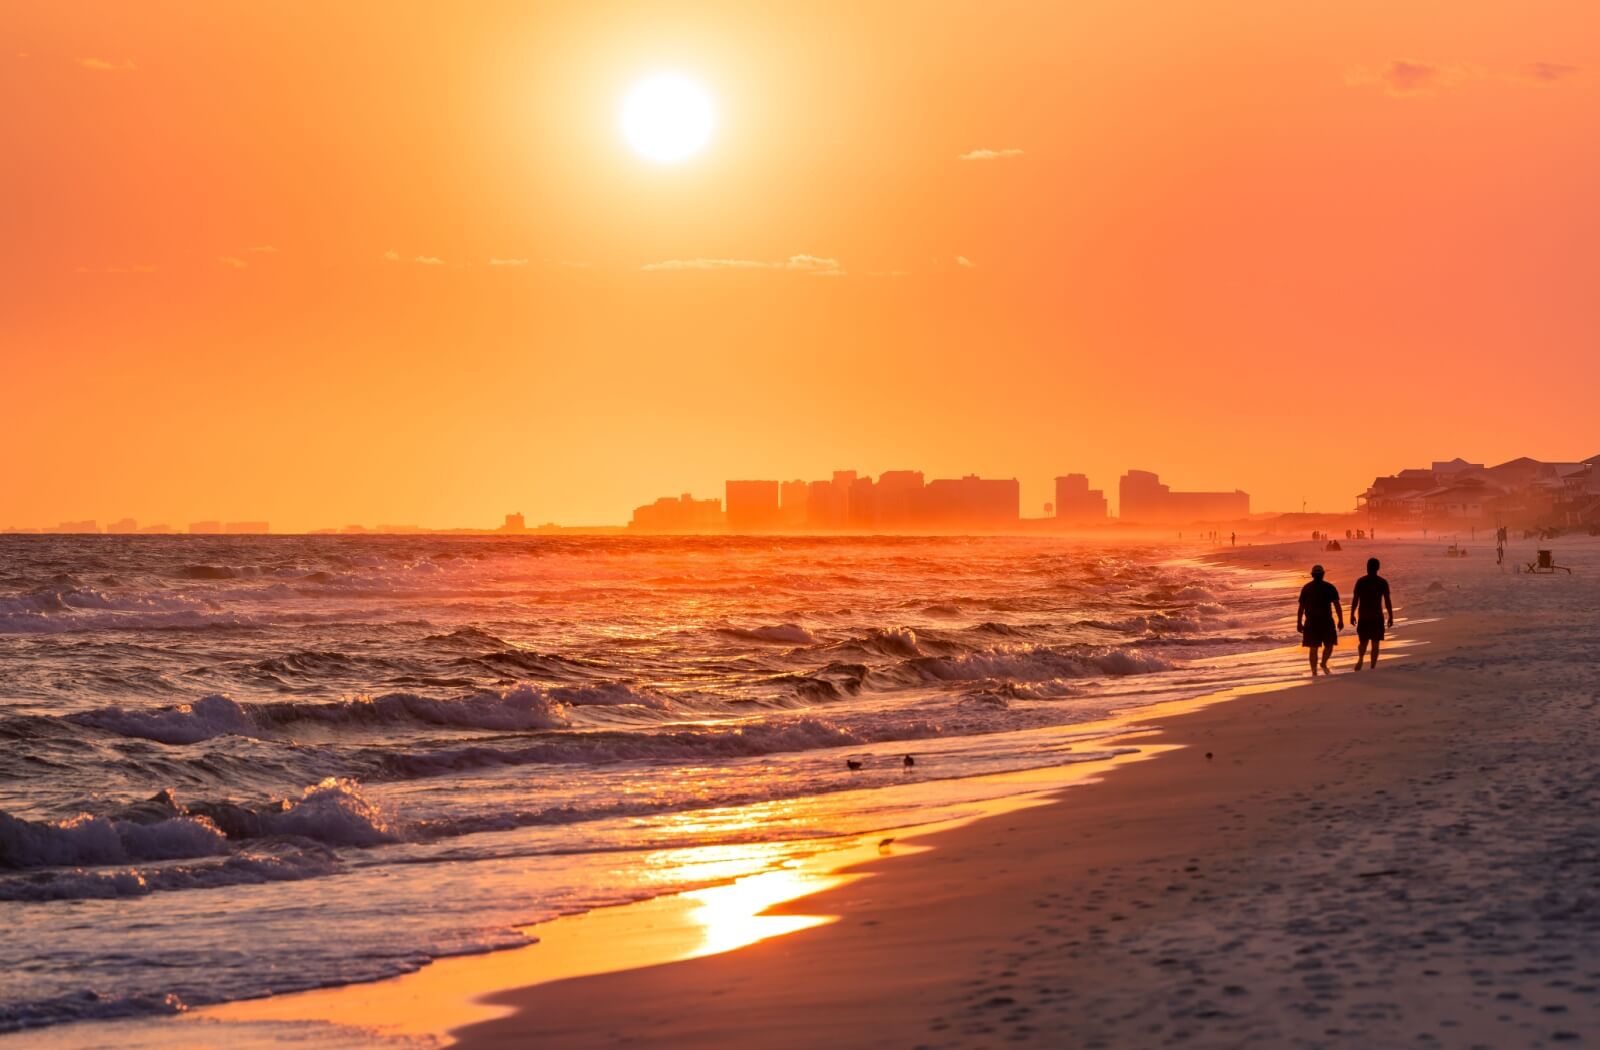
column 1405, row 856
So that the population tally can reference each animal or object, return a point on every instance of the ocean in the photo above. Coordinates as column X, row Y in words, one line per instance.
column 234, row 767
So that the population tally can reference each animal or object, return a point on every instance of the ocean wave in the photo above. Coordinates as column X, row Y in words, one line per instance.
column 1025, row 663
column 90, row 840
column 238, row 870
column 519, row 708
column 789, row 633
column 83, row 1006
column 804, row 733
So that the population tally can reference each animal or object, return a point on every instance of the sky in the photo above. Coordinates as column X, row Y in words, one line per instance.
column 321, row 264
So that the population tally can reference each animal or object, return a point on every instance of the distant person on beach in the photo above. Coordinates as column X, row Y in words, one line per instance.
column 1319, row 607
column 1233, row 539
column 1369, row 608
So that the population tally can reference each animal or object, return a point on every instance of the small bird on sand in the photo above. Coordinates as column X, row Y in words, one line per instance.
column 852, row 763
column 883, row 847
column 1208, row 754
column 910, row 761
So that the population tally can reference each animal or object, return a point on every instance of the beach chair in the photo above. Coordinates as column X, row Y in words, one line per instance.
column 1546, row 563
column 1455, row 550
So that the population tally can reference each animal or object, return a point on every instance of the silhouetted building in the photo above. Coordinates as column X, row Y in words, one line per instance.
column 156, row 530
column 514, row 523
column 72, row 528
column 684, row 514
column 1077, row 503
column 205, row 528
column 862, row 515
column 897, row 498
column 1520, row 491
column 246, row 528
column 828, row 502
column 793, row 500
column 970, row 503
column 123, row 526
column 752, row 506
column 1144, row 499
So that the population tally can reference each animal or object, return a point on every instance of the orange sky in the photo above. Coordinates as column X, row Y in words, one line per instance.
column 1244, row 243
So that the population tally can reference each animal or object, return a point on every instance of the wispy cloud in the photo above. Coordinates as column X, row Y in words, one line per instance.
column 508, row 262
column 101, row 65
column 420, row 260
column 811, row 264
column 232, row 262
column 1409, row 77
column 1549, row 72
column 965, row 263
column 989, row 154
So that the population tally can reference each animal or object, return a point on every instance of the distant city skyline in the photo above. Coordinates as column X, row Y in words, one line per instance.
column 789, row 506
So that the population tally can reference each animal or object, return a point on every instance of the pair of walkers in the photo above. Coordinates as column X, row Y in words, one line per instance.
column 1370, row 610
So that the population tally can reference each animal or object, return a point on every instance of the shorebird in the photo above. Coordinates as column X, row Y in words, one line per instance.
column 852, row 763
column 883, row 847
column 910, row 761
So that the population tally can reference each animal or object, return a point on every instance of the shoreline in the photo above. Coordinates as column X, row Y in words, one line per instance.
column 1400, row 856
column 589, row 962
column 463, row 990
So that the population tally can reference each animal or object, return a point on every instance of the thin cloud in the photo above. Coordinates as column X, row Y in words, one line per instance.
column 1403, row 76
column 812, row 264
column 1407, row 77
column 966, row 263
column 508, row 262
column 101, row 65
column 989, row 154
column 420, row 260
column 232, row 262
column 1549, row 72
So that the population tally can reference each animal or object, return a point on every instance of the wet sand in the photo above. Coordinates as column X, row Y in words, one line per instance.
column 1409, row 856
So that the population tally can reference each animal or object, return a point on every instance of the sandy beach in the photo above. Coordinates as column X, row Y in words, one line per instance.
column 1405, row 856
column 1402, row 857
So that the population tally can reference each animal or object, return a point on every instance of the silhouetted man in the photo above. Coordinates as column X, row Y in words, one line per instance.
column 1369, row 607
column 1319, row 606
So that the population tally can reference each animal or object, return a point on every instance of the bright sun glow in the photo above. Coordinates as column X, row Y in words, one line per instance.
column 667, row 117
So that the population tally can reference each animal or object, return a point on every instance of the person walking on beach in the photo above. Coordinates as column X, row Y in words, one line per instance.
column 1369, row 608
column 1319, row 606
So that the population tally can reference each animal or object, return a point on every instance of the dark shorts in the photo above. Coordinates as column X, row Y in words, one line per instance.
column 1370, row 630
column 1315, row 636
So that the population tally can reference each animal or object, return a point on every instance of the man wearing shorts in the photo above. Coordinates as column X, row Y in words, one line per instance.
column 1319, row 606
column 1369, row 606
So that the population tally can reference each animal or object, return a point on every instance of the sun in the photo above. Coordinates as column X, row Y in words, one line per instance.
column 667, row 117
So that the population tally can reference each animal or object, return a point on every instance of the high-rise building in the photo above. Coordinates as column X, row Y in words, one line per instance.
column 246, row 528
column 794, row 498
column 970, row 503
column 514, row 523
column 753, row 506
column 828, row 502
column 1077, row 503
column 683, row 514
column 205, row 528
column 898, row 494
column 1144, row 499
